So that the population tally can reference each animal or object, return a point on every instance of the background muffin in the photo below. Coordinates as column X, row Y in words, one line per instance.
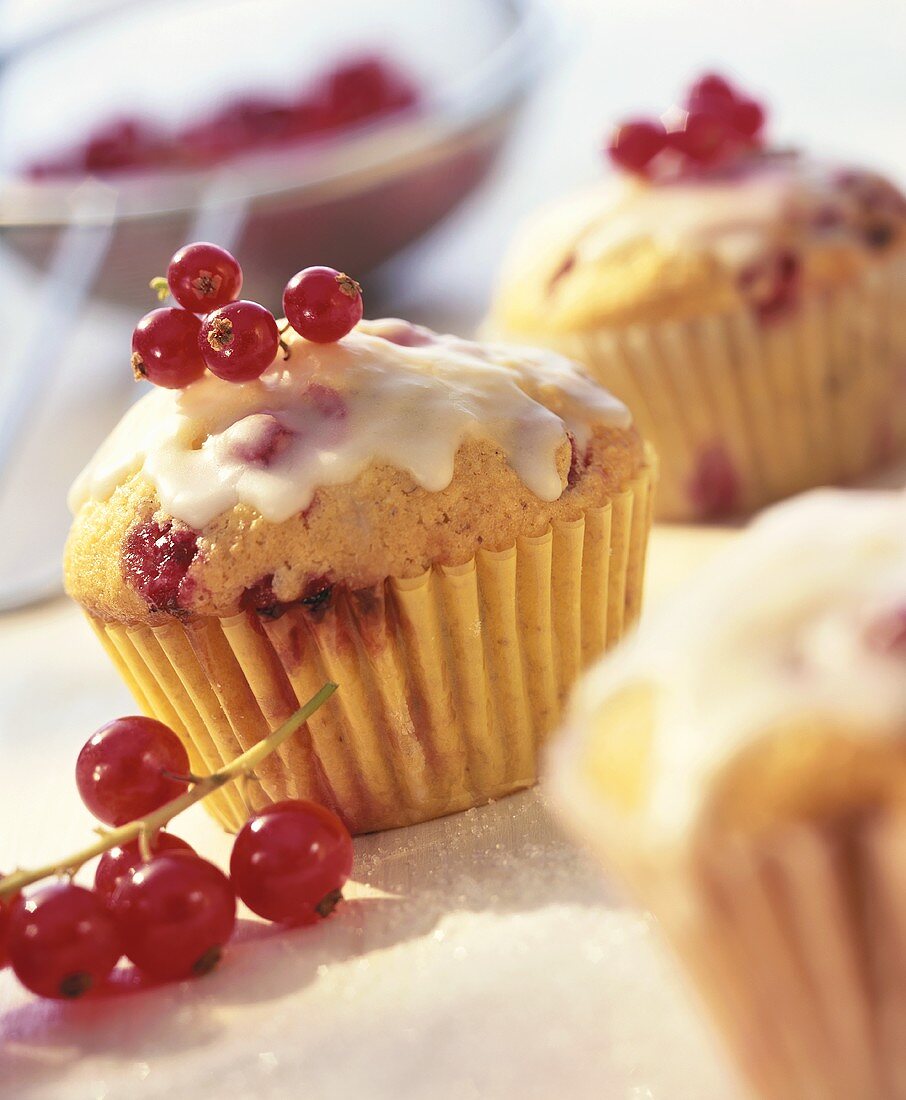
column 746, row 303
column 742, row 763
column 449, row 531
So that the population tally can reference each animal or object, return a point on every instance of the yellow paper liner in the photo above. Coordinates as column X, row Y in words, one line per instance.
column 816, row 398
column 448, row 681
column 797, row 942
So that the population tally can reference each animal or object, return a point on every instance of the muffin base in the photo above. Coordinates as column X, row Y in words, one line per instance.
column 448, row 681
column 798, row 943
column 743, row 412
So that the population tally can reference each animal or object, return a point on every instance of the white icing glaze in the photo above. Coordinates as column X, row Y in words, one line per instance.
column 789, row 620
column 734, row 214
column 332, row 409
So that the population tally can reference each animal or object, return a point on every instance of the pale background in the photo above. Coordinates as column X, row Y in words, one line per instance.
column 485, row 958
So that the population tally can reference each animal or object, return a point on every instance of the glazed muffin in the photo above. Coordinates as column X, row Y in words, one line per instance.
column 741, row 763
column 449, row 531
column 747, row 305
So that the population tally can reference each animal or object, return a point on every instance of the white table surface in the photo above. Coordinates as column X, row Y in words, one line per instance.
column 478, row 956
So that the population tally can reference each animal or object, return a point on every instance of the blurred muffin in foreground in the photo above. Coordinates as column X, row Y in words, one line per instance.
column 449, row 531
column 746, row 302
column 741, row 764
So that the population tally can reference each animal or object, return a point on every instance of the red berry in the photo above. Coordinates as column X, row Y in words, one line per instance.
column 710, row 90
column 156, row 559
column 175, row 914
column 703, row 138
column 116, row 863
column 165, row 348
column 290, row 862
column 256, row 120
column 322, row 304
column 263, row 440
column 772, row 285
column 714, row 488
column 260, row 596
column 405, row 334
column 62, row 941
column 746, row 117
column 886, row 632
column 578, row 462
column 239, row 341
column 714, row 96
column 326, row 401
column 203, row 277
column 121, row 771
column 635, row 144
column 124, row 145
column 363, row 88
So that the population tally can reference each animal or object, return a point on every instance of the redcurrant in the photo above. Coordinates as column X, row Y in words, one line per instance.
column 165, row 348
column 239, row 341
column 124, row 145
column 129, row 769
column 203, row 277
column 290, row 862
column 263, row 440
column 703, row 138
column 714, row 488
column 709, row 91
column 772, row 285
column 62, row 941
column 886, row 632
column 635, row 144
column 116, row 863
column 322, row 304
column 747, row 118
column 175, row 914
column 365, row 87
column 405, row 334
column 156, row 560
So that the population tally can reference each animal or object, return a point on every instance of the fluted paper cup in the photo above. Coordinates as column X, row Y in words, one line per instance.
column 744, row 412
column 448, row 682
column 797, row 941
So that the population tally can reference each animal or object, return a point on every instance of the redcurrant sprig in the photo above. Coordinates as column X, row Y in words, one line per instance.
column 155, row 900
column 236, row 340
column 718, row 123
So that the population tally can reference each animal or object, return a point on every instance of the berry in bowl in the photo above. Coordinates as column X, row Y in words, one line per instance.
column 344, row 135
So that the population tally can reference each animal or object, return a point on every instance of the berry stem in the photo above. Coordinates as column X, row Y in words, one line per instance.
column 147, row 826
column 144, row 844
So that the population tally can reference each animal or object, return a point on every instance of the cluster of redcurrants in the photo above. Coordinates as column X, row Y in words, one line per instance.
column 353, row 92
column 236, row 340
column 717, row 124
column 166, row 909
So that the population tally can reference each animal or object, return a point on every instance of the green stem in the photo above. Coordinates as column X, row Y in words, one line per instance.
column 149, row 825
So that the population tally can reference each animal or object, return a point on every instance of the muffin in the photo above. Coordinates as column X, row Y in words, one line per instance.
column 449, row 531
column 747, row 304
column 741, row 763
